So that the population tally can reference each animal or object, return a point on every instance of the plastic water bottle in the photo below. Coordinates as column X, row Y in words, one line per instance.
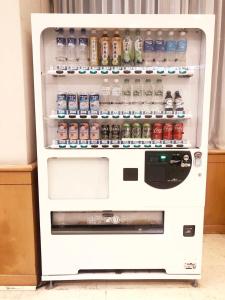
column 158, row 105
column 147, row 95
column 160, row 48
column 105, row 94
column 83, row 48
column 149, row 48
column 171, row 45
column 71, row 48
column 181, row 48
column 116, row 95
column 60, row 45
column 137, row 95
column 138, row 48
column 126, row 95
column 127, row 49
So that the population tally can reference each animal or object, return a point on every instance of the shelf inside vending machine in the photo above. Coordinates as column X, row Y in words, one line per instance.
column 185, row 71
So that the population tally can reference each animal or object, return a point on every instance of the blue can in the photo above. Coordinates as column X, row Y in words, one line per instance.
column 84, row 102
column 94, row 102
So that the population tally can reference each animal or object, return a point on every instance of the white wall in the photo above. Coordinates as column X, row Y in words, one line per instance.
column 17, row 127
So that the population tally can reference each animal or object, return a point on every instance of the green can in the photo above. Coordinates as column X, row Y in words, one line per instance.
column 126, row 131
column 136, row 130
column 146, row 131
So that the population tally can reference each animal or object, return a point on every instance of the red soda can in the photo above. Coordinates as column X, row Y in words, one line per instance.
column 178, row 131
column 157, row 131
column 168, row 131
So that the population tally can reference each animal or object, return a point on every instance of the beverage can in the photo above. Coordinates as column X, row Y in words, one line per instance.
column 136, row 130
column 105, row 132
column 61, row 101
column 94, row 131
column 62, row 131
column 84, row 101
column 73, row 131
column 168, row 131
column 126, row 131
column 94, row 102
column 178, row 131
column 115, row 132
column 72, row 101
column 157, row 131
column 84, row 131
column 146, row 131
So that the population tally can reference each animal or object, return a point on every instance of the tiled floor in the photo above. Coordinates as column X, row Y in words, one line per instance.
column 211, row 286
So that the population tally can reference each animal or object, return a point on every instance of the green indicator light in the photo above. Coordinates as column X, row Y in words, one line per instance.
column 162, row 157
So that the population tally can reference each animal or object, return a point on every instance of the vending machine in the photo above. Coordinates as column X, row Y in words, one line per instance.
column 122, row 109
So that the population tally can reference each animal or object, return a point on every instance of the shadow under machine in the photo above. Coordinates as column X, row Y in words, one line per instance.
column 122, row 125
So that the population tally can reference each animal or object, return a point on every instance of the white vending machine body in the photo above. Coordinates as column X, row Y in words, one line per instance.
column 122, row 209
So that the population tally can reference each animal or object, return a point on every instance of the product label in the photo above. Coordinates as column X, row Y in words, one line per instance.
column 159, row 93
column 61, row 102
column 72, row 102
column 148, row 93
column 149, row 45
column 61, row 41
column 171, row 45
column 84, row 102
column 71, row 41
column 181, row 46
column 83, row 41
column 94, row 102
column 159, row 45
column 116, row 52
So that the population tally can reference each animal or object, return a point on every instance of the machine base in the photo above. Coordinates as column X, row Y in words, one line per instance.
column 123, row 276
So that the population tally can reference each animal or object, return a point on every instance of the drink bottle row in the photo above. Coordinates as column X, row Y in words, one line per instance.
column 132, row 95
column 124, row 47
column 94, row 131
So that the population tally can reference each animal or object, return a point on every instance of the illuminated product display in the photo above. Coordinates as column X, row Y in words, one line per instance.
column 122, row 135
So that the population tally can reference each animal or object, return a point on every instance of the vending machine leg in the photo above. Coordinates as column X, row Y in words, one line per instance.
column 194, row 283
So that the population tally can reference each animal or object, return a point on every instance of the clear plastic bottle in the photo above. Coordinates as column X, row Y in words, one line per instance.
column 128, row 49
column 168, row 102
column 149, row 48
column 137, row 95
column 158, row 105
column 116, row 49
column 105, row 95
column 181, row 48
column 138, row 48
column 60, row 45
column 116, row 96
column 126, row 95
column 171, row 45
column 160, row 48
column 147, row 95
column 93, row 49
column 71, row 48
column 178, row 102
column 82, row 56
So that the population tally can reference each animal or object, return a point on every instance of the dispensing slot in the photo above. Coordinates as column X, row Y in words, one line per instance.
column 108, row 222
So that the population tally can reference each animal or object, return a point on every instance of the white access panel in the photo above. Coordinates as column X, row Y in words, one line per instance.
column 110, row 178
